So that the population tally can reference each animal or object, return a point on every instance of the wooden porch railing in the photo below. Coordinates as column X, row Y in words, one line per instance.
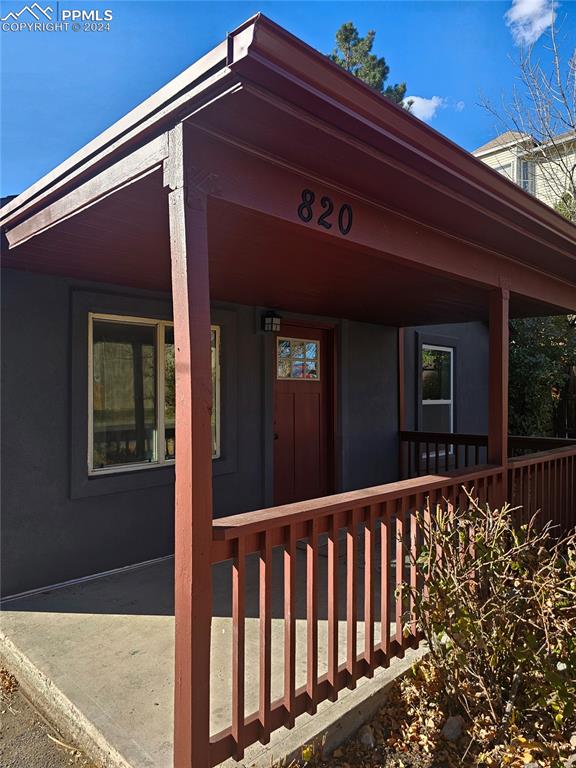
column 366, row 537
column 545, row 482
column 522, row 446
column 423, row 453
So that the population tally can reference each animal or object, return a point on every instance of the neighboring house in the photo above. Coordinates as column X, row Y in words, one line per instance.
column 202, row 317
column 546, row 170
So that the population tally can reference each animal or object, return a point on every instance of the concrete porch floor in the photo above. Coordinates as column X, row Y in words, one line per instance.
column 98, row 658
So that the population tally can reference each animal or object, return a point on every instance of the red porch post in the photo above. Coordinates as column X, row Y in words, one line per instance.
column 498, row 384
column 193, row 529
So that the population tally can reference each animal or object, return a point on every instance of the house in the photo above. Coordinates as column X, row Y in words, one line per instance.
column 545, row 169
column 203, row 348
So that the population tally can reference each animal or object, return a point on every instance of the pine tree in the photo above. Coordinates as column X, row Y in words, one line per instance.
column 354, row 54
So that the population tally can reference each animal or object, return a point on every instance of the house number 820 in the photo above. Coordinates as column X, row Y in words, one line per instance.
column 306, row 212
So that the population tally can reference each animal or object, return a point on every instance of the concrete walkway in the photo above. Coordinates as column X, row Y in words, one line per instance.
column 98, row 659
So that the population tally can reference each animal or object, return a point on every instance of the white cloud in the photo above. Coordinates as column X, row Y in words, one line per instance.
column 426, row 109
column 459, row 106
column 529, row 19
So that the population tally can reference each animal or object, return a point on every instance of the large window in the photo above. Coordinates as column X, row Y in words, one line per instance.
column 132, row 393
column 437, row 388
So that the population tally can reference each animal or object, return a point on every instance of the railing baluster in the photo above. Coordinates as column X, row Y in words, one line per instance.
column 557, row 477
column 351, row 597
column 312, row 615
column 548, row 487
column 265, row 635
column 333, row 605
column 290, row 624
column 413, row 564
column 238, row 645
column 427, row 518
column 399, row 613
column 571, row 512
column 369, row 588
column 481, row 492
column 385, row 582
column 571, row 496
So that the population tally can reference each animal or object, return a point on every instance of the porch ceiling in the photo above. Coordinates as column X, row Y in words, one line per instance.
column 255, row 259
column 376, row 166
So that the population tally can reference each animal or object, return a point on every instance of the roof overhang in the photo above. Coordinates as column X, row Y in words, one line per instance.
column 265, row 93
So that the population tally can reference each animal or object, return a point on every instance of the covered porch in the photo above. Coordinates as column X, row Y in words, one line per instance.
column 266, row 177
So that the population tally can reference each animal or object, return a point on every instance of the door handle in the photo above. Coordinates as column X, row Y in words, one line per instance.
column 275, row 435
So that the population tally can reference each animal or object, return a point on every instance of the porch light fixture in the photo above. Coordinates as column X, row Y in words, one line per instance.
column 271, row 322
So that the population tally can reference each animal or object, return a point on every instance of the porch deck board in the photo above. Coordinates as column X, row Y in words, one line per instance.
column 107, row 645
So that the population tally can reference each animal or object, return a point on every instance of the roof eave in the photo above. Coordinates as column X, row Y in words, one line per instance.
column 270, row 52
column 262, row 52
column 161, row 108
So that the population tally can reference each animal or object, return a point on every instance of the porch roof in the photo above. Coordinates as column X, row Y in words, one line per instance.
column 264, row 98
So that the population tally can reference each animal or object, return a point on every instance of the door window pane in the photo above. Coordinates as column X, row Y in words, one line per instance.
column 298, row 359
column 123, row 393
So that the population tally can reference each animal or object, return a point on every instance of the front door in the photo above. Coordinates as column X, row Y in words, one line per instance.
column 302, row 414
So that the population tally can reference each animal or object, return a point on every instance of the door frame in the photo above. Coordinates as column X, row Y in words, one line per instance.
column 333, row 412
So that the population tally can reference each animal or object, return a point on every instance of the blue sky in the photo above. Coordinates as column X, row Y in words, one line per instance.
column 59, row 90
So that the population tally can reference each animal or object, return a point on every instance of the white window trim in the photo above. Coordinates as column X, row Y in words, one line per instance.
column 161, row 460
column 450, row 402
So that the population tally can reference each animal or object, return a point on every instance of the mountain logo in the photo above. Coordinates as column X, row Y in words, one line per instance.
column 35, row 10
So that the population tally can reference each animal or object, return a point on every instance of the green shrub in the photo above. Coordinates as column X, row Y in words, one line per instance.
column 499, row 615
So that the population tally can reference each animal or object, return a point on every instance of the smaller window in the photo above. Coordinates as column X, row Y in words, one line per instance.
column 527, row 177
column 298, row 358
column 437, row 388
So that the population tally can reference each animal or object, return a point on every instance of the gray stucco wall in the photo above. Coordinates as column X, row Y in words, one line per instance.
column 369, row 396
column 470, row 343
column 47, row 536
column 57, row 525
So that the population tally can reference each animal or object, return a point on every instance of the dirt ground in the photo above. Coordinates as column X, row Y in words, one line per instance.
column 26, row 739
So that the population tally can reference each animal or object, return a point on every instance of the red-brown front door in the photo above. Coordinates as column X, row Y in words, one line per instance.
column 302, row 414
